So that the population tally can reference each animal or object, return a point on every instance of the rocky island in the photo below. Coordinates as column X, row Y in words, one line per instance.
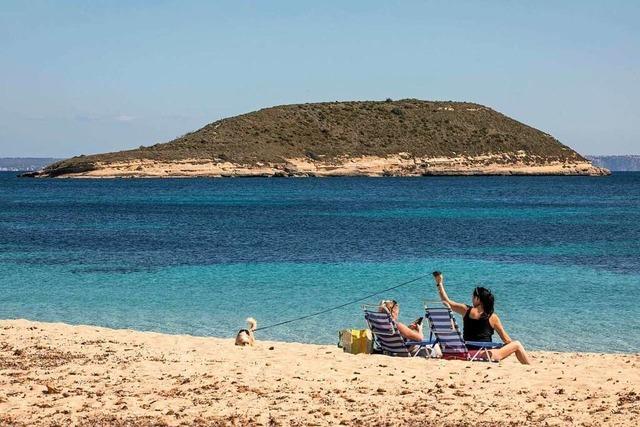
column 386, row 138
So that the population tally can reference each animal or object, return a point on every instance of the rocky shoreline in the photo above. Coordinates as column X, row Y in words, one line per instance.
column 400, row 165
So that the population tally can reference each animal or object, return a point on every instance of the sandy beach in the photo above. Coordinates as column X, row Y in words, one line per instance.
column 57, row 374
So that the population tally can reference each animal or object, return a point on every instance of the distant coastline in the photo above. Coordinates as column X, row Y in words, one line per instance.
column 25, row 164
column 618, row 163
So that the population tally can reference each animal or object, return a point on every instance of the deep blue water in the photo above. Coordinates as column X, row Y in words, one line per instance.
column 197, row 256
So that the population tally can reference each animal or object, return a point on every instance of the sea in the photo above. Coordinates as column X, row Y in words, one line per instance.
column 198, row 256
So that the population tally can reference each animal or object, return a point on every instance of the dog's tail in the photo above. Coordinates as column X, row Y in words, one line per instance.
column 252, row 324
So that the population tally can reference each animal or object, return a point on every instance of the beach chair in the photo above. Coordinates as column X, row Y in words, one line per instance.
column 388, row 339
column 444, row 328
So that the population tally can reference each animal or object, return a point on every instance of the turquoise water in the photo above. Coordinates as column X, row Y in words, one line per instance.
column 197, row 256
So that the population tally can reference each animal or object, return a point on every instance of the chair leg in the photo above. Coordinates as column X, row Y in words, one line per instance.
column 434, row 353
column 477, row 352
column 417, row 351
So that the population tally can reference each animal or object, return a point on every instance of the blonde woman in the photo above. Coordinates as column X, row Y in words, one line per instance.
column 412, row 332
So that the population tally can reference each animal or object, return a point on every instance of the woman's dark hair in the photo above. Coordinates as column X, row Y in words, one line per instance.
column 486, row 298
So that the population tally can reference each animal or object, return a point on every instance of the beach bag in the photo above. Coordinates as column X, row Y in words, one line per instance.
column 356, row 341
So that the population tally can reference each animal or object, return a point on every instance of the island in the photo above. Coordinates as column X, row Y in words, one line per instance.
column 407, row 137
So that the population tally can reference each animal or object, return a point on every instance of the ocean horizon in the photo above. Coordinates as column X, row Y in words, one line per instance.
column 198, row 256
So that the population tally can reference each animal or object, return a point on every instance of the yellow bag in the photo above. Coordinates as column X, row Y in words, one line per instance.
column 356, row 341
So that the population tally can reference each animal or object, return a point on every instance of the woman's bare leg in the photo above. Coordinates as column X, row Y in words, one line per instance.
column 508, row 349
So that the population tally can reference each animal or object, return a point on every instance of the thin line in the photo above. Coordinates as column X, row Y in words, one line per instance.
column 342, row 305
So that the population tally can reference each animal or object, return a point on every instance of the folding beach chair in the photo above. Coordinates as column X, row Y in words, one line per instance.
column 388, row 339
column 444, row 328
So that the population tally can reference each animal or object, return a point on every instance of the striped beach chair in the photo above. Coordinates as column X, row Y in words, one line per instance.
column 444, row 328
column 388, row 339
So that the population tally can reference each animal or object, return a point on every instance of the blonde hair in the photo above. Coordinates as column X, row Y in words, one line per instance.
column 387, row 306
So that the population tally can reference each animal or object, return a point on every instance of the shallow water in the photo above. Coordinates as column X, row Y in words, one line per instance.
column 197, row 256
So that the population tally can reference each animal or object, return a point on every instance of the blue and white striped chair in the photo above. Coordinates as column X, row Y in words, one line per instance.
column 444, row 328
column 388, row 338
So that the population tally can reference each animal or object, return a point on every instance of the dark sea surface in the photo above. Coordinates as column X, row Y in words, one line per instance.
column 197, row 256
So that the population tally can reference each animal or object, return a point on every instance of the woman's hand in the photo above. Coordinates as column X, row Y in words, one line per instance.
column 412, row 332
column 439, row 278
column 417, row 326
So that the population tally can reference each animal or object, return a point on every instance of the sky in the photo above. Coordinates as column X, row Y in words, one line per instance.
column 81, row 77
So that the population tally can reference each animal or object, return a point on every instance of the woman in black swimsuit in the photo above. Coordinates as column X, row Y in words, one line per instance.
column 480, row 321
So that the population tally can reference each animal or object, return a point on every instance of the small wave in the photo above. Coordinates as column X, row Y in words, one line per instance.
column 110, row 270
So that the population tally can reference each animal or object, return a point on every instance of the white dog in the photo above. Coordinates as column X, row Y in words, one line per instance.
column 245, row 336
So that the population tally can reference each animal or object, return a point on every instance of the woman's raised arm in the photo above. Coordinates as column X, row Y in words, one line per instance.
column 455, row 306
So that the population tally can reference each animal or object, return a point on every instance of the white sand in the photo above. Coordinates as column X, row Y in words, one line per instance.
column 99, row 376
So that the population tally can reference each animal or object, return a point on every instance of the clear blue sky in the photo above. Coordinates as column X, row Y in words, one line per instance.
column 90, row 76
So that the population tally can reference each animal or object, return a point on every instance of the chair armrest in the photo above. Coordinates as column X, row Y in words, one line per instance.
column 424, row 342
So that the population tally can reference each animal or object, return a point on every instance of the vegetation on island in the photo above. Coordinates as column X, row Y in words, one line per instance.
column 330, row 130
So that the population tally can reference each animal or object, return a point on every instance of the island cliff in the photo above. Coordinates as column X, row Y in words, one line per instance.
column 388, row 138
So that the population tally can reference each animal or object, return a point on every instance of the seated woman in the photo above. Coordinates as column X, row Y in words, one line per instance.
column 412, row 332
column 480, row 321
